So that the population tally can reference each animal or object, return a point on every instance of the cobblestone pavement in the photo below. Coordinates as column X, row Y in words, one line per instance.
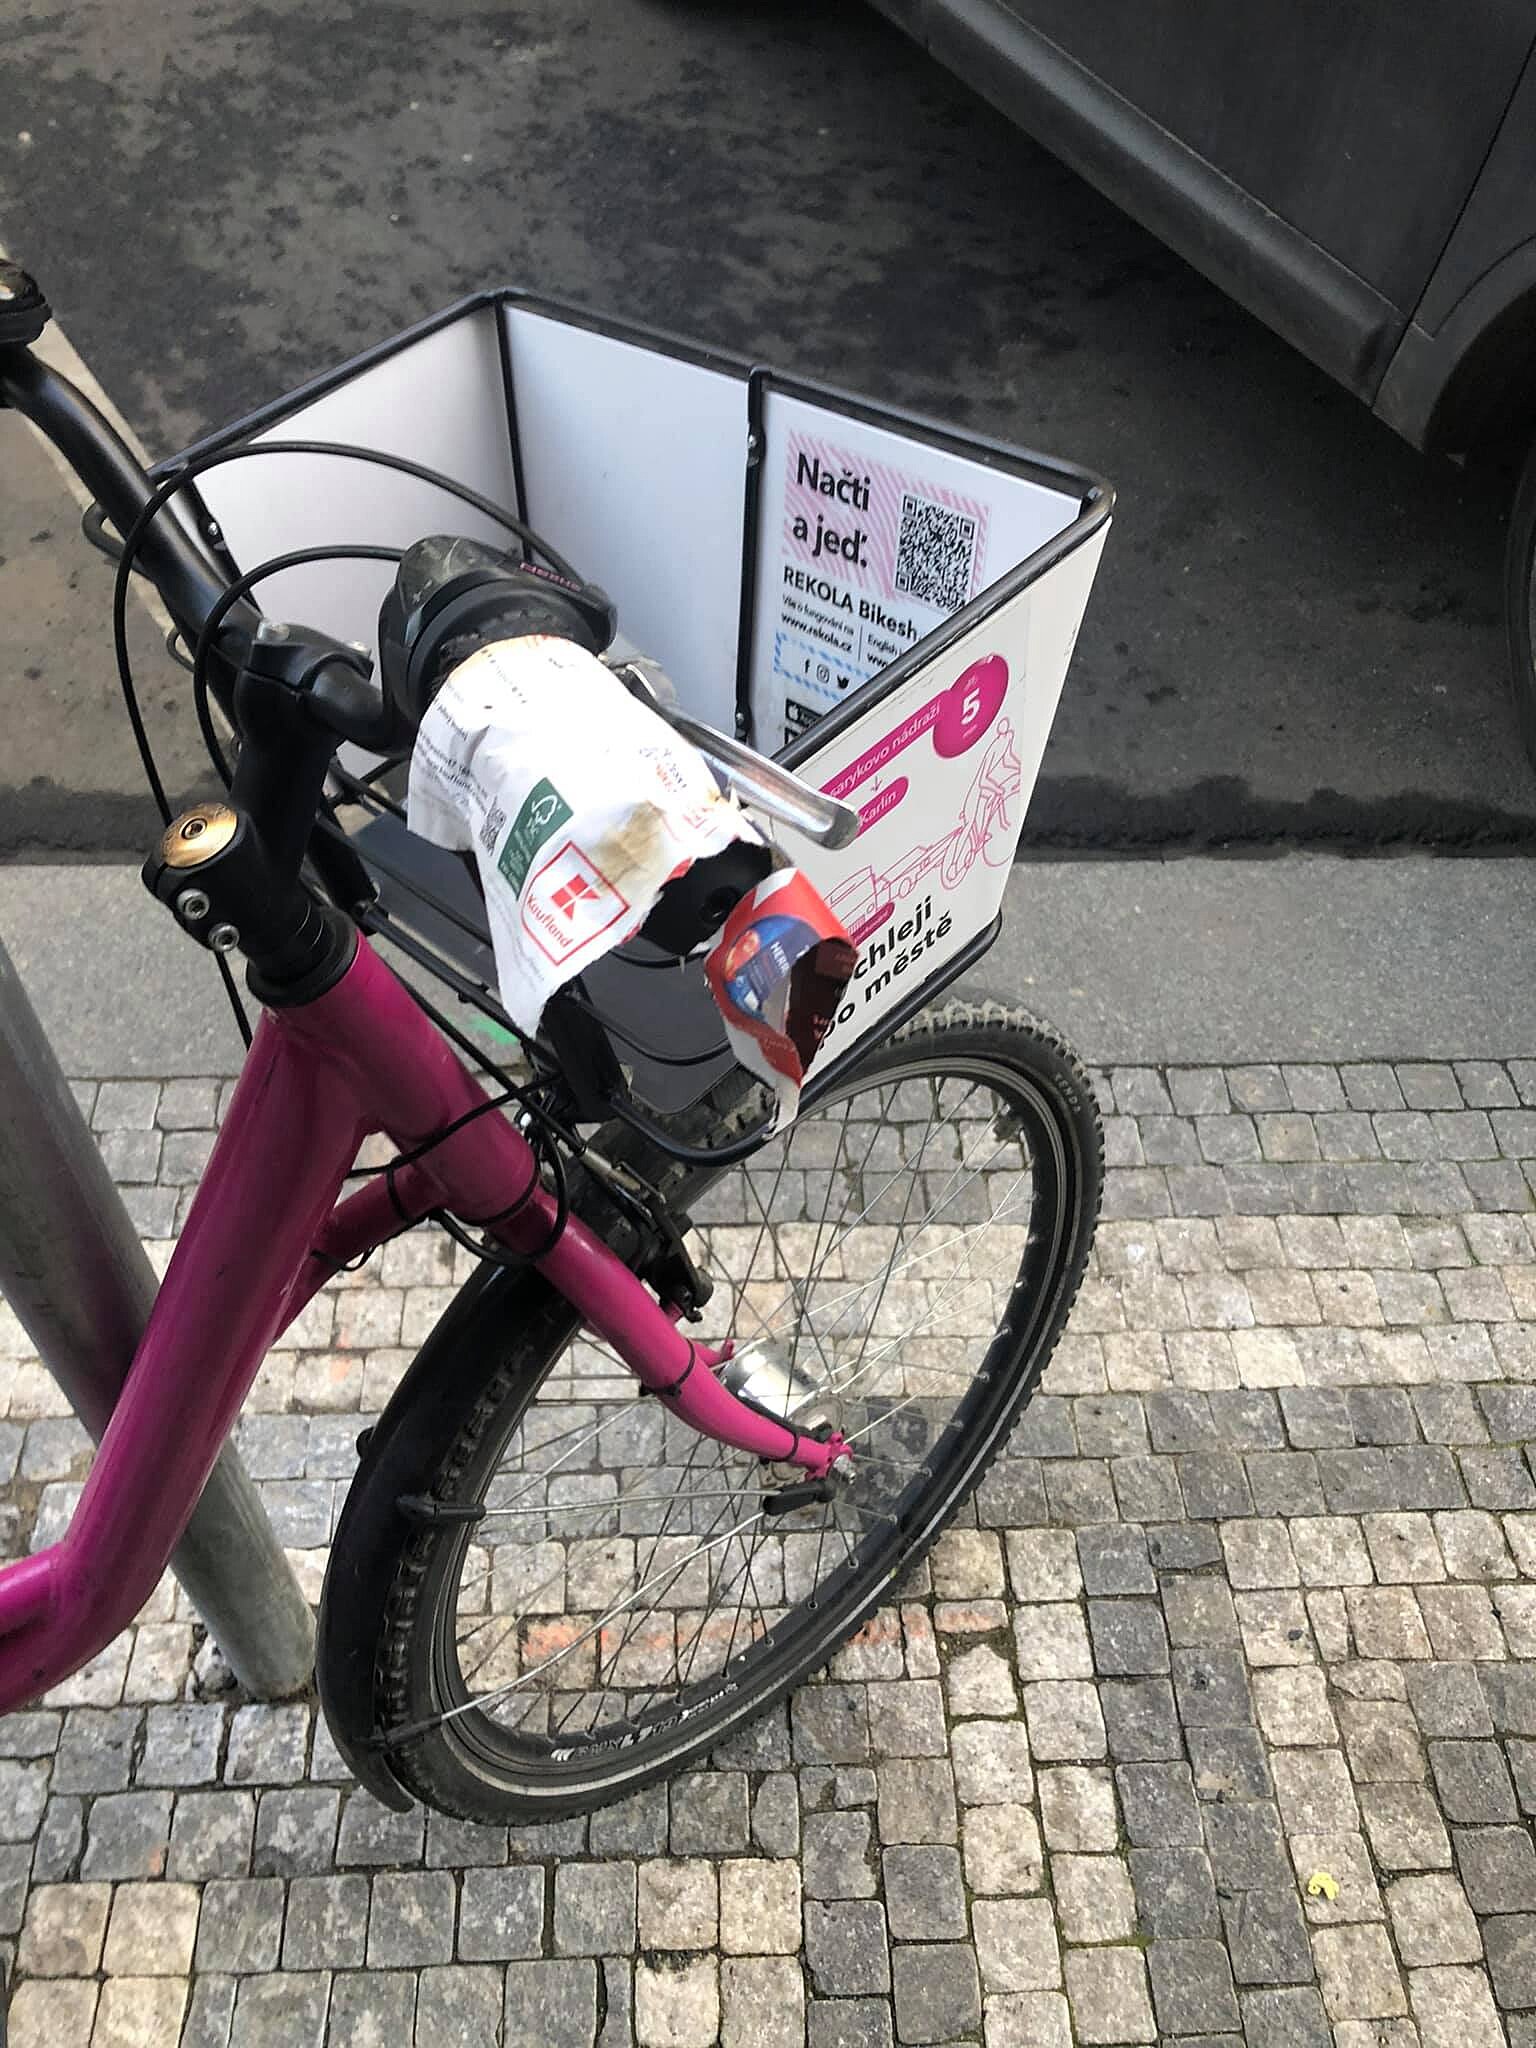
column 1215, row 1722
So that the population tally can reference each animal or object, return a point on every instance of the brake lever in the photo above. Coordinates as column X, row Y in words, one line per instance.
column 764, row 784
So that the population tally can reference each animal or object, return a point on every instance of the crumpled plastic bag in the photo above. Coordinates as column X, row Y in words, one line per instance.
column 579, row 803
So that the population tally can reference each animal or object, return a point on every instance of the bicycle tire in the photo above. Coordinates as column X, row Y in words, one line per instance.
column 466, row 1764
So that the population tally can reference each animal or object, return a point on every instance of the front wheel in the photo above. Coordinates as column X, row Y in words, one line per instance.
column 898, row 1264
column 1520, row 603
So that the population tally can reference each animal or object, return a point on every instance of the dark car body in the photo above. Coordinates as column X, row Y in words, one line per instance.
column 1361, row 177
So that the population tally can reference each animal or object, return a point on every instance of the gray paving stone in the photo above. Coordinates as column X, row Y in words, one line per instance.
column 1258, row 1088
column 1113, row 1559
column 1498, row 1868
column 1211, row 1685
column 846, row 1947
column 1129, row 1639
column 267, row 1745
column 1509, row 1941
column 775, row 1817
column 1448, row 1700
column 1175, row 1893
column 1158, row 1802
column 60, row 1837
column 126, row 1836
column 1499, row 1479
column 455, row 1844
column 15, row 1872
column 1382, row 1741
column 1404, row 1827
column 838, row 1855
column 1146, row 1489
column 501, row 1914
column 1044, row 1430
column 1287, row 2019
column 30, row 1734
column 1214, row 1485
column 906, row 1718
column 1012, row 1495
column 1473, row 1781
column 1510, row 1690
column 1449, row 1415
column 849, row 2023
column 1246, row 1846
column 1110, row 1425
column 1267, row 1937
column 210, row 2012
column 1200, row 1091
column 1284, row 1483
column 410, row 1920
column 462, row 2007
column 1079, row 1491
column 1229, row 1764
column 935, row 1992
column 1180, row 1421
column 95, row 1752
column 1183, row 1546
column 211, row 1835
column 710, row 1814
column 924, row 1895
column 1510, row 1411
column 1248, row 1418
column 287, row 2009
column 1197, row 1191
column 553, row 2003
column 373, row 2009
column 1192, row 1986
column 240, row 1925
column 1357, row 1482
column 326, row 1925
column 1140, row 1720
column 594, row 1912
column 1107, row 1990
column 830, row 1723
column 762, row 2002
column 535, row 1843
column 181, row 1746
column 295, row 1831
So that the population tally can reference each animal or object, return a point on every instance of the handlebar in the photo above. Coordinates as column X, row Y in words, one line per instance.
column 188, row 579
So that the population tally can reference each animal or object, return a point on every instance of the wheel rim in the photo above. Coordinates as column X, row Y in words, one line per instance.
column 628, row 1585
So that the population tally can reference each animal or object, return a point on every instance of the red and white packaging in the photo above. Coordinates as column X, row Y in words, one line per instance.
column 777, row 973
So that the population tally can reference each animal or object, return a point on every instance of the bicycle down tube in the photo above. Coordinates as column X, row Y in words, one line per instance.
column 264, row 1233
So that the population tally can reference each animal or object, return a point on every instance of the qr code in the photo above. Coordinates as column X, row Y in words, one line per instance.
column 934, row 552
column 490, row 827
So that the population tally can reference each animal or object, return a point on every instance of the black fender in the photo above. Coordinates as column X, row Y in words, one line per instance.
column 400, row 1457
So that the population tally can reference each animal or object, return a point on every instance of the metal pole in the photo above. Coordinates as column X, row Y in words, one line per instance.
column 72, row 1268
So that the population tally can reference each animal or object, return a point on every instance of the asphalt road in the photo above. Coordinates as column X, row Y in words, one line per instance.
column 1295, row 635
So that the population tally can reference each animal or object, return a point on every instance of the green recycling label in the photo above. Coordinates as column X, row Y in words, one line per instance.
column 544, row 811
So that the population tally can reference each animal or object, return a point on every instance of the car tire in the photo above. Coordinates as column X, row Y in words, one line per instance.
column 1520, row 603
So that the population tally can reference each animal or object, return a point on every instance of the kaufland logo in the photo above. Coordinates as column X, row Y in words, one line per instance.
column 570, row 894
column 569, row 903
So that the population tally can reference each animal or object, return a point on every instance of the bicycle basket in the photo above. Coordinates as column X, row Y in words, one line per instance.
column 888, row 603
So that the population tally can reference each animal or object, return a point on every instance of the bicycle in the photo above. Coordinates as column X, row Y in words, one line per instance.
column 581, row 1547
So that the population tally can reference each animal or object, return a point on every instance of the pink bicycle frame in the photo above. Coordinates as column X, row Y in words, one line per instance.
column 265, row 1233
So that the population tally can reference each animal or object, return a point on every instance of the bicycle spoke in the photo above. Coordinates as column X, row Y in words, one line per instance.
column 878, row 1286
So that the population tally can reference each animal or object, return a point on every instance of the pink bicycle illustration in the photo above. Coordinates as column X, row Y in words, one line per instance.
column 987, row 830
